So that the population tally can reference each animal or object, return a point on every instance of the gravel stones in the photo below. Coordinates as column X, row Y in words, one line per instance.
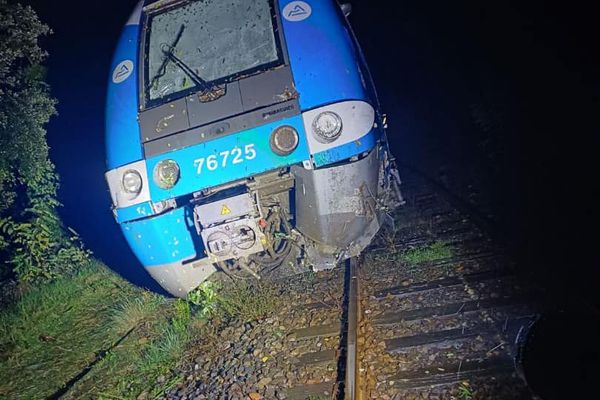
column 259, row 359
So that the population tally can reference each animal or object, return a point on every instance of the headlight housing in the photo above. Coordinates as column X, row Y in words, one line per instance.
column 284, row 140
column 327, row 127
column 132, row 183
column 166, row 174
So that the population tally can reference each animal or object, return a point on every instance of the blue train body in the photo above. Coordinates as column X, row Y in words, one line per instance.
column 241, row 135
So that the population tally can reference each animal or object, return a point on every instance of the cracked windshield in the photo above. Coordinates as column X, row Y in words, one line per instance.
column 205, row 41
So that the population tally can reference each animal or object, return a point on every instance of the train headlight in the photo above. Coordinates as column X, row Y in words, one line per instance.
column 327, row 127
column 166, row 174
column 132, row 183
column 284, row 140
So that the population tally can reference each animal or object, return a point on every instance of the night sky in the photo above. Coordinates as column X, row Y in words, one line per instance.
column 532, row 64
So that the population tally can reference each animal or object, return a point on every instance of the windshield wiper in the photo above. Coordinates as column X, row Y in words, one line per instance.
column 186, row 68
column 168, row 51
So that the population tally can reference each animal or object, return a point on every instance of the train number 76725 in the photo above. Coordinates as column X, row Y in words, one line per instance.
column 221, row 160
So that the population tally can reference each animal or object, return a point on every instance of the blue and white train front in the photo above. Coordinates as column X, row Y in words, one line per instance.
column 241, row 135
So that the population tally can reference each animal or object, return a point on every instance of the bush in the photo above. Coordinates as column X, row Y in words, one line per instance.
column 33, row 244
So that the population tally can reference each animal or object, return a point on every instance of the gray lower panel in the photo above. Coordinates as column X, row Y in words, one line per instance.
column 178, row 278
column 336, row 206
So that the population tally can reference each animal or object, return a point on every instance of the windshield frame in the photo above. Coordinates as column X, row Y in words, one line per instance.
column 144, row 78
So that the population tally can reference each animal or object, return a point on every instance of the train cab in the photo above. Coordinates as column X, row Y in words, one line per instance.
column 244, row 136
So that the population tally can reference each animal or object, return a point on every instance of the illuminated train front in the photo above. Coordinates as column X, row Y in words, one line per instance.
column 236, row 128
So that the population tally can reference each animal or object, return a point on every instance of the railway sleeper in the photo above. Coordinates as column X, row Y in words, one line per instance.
column 447, row 374
column 317, row 331
column 470, row 307
column 507, row 330
column 387, row 278
column 324, row 389
column 459, row 280
column 317, row 358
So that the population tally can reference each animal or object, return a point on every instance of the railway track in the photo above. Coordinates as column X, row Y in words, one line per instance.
column 434, row 310
column 447, row 326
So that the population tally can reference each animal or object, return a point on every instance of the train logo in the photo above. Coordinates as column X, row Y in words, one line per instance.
column 122, row 71
column 240, row 140
column 297, row 11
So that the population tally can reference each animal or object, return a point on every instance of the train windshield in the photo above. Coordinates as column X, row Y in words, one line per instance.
column 206, row 42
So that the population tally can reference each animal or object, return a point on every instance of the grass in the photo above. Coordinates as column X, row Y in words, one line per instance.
column 241, row 300
column 465, row 392
column 247, row 302
column 430, row 253
column 144, row 363
column 132, row 339
column 55, row 331
column 433, row 252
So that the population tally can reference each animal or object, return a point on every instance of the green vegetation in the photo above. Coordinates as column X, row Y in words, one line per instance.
column 240, row 300
column 57, row 330
column 205, row 297
column 132, row 339
column 465, row 392
column 247, row 302
column 142, row 364
column 430, row 253
column 132, row 312
column 434, row 252
column 33, row 244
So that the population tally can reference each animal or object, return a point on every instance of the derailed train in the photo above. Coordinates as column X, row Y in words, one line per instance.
column 244, row 135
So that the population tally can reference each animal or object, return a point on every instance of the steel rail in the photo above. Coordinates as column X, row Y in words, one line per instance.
column 351, row 387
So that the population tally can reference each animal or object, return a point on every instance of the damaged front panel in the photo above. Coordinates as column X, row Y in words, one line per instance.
column 336, row 206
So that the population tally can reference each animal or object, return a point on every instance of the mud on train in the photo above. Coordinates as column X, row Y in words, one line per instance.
column 244, row 135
